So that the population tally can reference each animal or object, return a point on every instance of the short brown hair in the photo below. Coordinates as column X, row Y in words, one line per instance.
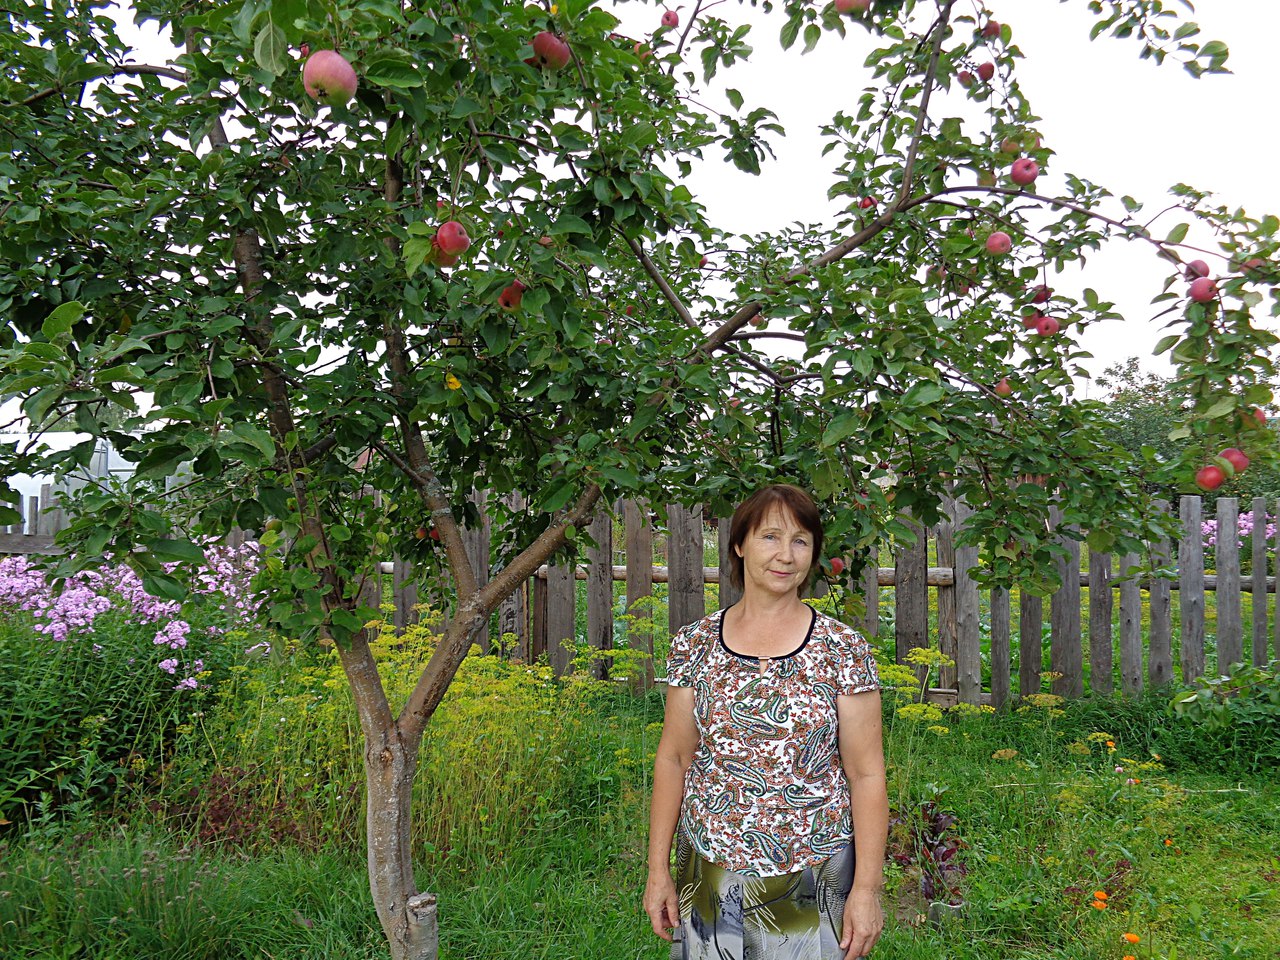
column 751, row 513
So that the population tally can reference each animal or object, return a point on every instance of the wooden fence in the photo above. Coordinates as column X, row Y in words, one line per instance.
column 543, row 616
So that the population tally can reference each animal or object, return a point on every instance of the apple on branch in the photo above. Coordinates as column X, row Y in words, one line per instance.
column 1024, row 171
column 853, row 6
column 1203, row 289
column 999, row 243
column 1003, row 388
column 670, row 19
column 1239, row 462
column 328, row 77
column 550, row 52
column 1210, row 477
column 1197, row 269
column 986, row 71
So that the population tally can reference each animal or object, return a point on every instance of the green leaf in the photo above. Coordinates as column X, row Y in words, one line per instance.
column 465, row 107
column 1167, row 343
column 812, row 34
column 842, row 427
column 790, row 30
column 393, row 70
column 271, row 49
column 256, row 436
column 175, row 551
column 1177, row 234
column 58, row 323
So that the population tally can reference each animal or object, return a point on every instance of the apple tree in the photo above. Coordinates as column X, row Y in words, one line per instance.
column 298, row 256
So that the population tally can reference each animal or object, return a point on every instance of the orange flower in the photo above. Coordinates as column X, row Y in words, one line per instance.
column 1098, row 905
column 1130, row 937
column 1099, row 894
column 1128, row 956
column 1168, row 842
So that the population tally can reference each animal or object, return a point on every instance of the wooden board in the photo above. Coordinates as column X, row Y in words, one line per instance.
column 1191, row 589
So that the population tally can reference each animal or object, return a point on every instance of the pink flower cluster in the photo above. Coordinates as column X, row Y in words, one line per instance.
column 1244, row 528
column 71, row 612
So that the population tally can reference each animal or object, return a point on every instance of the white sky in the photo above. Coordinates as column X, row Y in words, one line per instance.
column 1125, row 124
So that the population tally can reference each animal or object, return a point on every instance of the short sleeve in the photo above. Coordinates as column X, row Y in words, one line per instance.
column 858, row 672
column 679, row 659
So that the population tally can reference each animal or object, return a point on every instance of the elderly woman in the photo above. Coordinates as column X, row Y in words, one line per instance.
column 770, row 771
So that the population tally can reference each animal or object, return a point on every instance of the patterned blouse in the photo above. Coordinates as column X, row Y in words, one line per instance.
column 766, row 794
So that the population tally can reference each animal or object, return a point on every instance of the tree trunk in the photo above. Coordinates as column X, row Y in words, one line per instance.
column 408, row 918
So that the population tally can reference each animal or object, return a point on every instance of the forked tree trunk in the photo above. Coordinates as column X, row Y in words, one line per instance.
column 408, row 917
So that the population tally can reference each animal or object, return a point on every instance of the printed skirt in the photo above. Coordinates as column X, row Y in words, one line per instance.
column 732, row 916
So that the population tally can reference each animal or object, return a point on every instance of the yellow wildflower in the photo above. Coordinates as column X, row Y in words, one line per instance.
column 452, row 382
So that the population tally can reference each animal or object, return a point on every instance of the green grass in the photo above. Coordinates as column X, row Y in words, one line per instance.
column 1040, row 832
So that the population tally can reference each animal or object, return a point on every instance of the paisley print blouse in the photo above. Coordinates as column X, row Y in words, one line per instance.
column 765, row 794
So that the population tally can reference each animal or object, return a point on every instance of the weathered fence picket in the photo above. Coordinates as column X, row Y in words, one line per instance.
column 543, row 613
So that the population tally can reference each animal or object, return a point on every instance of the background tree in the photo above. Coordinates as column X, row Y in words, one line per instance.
column 263, row 275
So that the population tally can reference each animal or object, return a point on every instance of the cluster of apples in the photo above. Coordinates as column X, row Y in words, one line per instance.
column 986, row 71
column 1231, row 462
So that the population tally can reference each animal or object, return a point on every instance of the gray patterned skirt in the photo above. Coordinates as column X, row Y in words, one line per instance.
column 733, row 916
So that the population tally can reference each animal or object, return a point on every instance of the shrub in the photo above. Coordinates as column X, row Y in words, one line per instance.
column 96, row 677
column 278, row 754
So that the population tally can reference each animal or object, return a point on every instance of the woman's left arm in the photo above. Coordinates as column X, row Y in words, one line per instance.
column 862, row 756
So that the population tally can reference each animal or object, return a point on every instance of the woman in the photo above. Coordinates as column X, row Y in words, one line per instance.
column 770, row 770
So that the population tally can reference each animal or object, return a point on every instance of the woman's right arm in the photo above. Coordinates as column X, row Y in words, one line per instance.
column 675, row 753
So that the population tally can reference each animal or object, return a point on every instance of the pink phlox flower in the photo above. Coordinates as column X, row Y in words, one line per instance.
column 170, row 665
column 188, row 683
column 174, row 633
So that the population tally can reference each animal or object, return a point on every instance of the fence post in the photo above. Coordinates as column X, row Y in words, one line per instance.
column 968, row 633
column 1001, row 655
column 513, row 612
column 1260, row 598
column 404, row 592
column 1101, row 638
column 1227, row 565
column 639, row 582
column 1275, row 640
column 911, row 592
column 1160, row 643
column 1066, row 654
column 685, row 591
column 870, row 624
column 729, row 594
column 600, row 588
column 944, row 539
column 561, row 613
column 1191, row 589
column 1130, row 627
column 1030, row 642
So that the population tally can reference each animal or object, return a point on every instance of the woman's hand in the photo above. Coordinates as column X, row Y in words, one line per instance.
column 863, row 921
column 662, row 904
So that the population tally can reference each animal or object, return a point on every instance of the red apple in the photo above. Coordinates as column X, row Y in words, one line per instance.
column 1003, row 388
column 837, row 565
column 452, row 238
column 1010, row 145
column 1203, row 289
column 1197, row 268
column 991, row 29
column 1032, row 319
column 734, row 402
column 550, row 51
column 1255, row 268
column 420, row 533
column 1210, row 477
column 304, row 51
column 702, row 261
column 1259, row 416
column 545, row 241
column 986, row 71
column 1024, row 171
column 999, row 243
column 1047, row 327
column 670, row 19
column 1236, row 458
column 630, row 311
column 853, row 6
column 512, row 294
column 329, row 77
column 1041, row 294
column 867, row 203
column 435, row 534
column 965, row 78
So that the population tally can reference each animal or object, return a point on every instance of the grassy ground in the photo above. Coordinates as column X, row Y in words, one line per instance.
column 1186, row 856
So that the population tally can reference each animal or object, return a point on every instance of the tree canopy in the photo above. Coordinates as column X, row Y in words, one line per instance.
column 262, row 280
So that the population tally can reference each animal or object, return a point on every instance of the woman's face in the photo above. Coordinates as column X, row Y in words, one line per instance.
column 776, row 555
